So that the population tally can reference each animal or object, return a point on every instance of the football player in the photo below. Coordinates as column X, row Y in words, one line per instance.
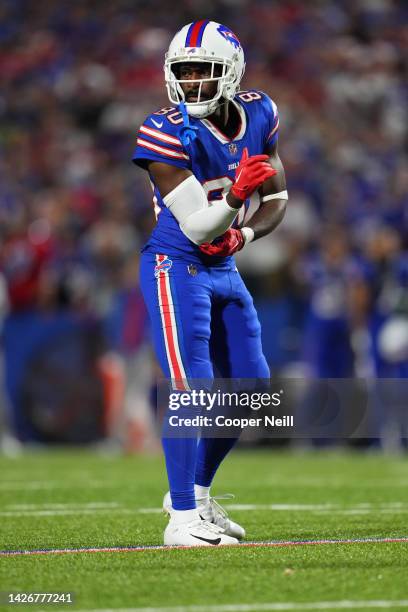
column 206, row 154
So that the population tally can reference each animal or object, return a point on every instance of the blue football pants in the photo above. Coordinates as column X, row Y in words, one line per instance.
column 204, row 325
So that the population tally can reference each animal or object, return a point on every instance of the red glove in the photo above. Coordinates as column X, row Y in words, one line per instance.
column 250, row 174
column 227, row 244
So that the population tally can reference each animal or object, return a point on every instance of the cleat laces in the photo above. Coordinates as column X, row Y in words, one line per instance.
column 219, row 514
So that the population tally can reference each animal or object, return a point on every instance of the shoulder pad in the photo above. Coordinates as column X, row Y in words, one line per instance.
column 167, row 119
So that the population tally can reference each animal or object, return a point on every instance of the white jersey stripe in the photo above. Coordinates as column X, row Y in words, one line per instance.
column 160, row 136
column 274, row 130
column 164, row 151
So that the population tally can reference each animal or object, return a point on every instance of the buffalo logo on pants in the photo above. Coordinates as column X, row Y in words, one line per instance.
column 163, row 266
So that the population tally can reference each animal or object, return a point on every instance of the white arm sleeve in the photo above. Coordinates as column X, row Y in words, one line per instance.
column 198, row 221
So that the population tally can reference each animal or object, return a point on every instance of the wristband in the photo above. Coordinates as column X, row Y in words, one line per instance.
column 282, row 195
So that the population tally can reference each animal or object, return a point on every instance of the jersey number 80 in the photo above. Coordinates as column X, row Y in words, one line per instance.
column 216, row 189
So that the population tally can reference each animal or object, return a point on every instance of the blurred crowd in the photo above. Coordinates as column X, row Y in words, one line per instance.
column 77, row 79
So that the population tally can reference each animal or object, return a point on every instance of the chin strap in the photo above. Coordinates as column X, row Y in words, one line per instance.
column 188, row 132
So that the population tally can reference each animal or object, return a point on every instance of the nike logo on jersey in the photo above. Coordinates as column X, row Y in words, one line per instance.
column 212, row 542
column 157, row 124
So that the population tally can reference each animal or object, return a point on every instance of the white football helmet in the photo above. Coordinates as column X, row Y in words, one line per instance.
column 212, row 43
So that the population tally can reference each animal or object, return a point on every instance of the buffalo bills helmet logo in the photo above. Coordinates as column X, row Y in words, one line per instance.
column 163, row 267
column 228, row 35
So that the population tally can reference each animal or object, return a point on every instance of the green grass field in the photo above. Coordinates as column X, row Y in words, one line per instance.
column 77, row 499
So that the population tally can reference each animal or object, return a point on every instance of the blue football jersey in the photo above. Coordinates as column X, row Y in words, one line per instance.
column 212, row 157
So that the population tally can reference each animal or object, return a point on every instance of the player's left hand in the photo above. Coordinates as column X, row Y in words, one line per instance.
column 230, row 242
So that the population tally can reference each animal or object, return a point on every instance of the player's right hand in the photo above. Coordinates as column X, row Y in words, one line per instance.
column 250, row 174
column 227, row 244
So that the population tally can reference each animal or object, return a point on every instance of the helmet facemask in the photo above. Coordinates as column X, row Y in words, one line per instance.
column 226, row 79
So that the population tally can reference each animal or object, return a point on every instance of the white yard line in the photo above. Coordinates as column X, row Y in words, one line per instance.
column 281, row 507
column 34, row 485
column 66, row 512
column 58, row 506
column 60, row 509
column 318, row 508
column 316, row 605
column 357, row 511
column 162, row 548
column 332, row 482
column 16, row 485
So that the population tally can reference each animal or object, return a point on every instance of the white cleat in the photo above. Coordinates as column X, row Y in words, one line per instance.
column 211, row 511
column 196, row 533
